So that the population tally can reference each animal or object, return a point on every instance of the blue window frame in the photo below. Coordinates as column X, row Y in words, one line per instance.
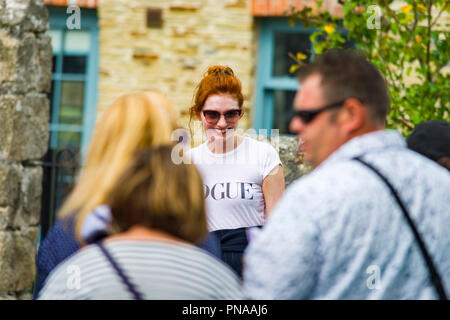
column 276, row 87
column 73, row 102
column 74, row 77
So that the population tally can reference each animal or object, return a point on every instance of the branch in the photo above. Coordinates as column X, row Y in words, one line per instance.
column 438, row 69
column 393, row 80
column 294, row 58
column 430, row 4
column 312, row 19
column 439, row 14
column 411, row 34
column 392, row 14
column 391, row 76
column 414, row 24
column 406, row 123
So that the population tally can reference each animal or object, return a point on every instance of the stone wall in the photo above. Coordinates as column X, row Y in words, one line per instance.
column 25, row 77
column 293, row 165
column 194, row 34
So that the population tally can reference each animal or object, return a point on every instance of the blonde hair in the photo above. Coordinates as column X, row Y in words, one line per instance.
column 158, row 194
column 133, row 121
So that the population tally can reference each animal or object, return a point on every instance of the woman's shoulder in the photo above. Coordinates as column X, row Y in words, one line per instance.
column 165, row 249
column 168, row 251
column 217, row 270
column 81, row 266
column 263, row 142
column 84, row 256
column 196, row 150
column 261, row 146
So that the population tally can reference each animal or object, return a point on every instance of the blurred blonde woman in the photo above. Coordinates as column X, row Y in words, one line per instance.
column 132, row 122
column 158, row 213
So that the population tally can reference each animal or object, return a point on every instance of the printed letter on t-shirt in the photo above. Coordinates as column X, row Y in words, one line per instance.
column 244, row 190
column 213, row 193
column 206, row 190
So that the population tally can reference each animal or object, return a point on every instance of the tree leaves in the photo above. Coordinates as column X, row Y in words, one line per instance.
column 409, row 47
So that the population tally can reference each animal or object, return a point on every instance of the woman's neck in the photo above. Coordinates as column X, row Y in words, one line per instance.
column 226, row 146
column 146, row 234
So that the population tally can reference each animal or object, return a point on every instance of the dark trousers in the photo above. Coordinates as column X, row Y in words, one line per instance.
column 211, row 244
column 232, row 243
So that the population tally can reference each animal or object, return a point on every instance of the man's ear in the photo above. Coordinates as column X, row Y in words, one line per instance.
column 353, row 116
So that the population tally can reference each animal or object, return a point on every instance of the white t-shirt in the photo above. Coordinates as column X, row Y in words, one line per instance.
column 232, row 183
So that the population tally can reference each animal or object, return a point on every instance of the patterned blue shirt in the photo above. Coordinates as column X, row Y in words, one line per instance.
column 338, row 233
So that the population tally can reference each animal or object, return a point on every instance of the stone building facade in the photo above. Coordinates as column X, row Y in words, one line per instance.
column 168, row 45
column 25, row 77
column 172, row 55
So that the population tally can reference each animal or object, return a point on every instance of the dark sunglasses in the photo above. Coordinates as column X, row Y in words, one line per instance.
column 213, row 117
column 308, row 115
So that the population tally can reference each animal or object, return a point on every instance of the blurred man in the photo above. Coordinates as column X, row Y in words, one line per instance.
column 339, row 232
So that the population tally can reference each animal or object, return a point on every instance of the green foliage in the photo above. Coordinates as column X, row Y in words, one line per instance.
column 409, row 44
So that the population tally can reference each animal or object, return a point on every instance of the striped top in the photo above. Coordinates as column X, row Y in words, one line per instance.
column 158, row 270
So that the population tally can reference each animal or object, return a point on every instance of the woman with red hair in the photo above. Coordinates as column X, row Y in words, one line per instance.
column 243, row 178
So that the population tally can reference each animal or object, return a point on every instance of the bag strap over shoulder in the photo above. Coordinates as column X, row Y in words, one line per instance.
column 435, row 277
column 131, row 288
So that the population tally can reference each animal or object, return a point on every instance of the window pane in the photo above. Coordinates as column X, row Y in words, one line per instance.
column 77, row 41
column 69, row 140
column 74, row 64
column 56, row 36
column 62, row 162
column 71, row 104
column 53, row 64
column 286, row 43
column 67, row 162
column 283, row 104
column 50, row 98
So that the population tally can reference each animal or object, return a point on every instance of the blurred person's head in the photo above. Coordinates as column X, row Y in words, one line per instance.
column 158, row 194
column 341, row 96
column 432, row 139
column 133, row 121
column 218, row 101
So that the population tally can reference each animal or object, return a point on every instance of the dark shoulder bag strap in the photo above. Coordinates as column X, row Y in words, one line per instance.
column 131, row 288
column 435, row 277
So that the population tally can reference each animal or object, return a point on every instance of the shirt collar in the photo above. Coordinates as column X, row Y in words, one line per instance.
column 369, row 142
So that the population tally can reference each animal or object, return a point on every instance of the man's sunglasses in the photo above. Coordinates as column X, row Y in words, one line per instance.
column 212, row 117
column 306, row 116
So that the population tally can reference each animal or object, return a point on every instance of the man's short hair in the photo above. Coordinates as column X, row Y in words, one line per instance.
column 346, row 74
